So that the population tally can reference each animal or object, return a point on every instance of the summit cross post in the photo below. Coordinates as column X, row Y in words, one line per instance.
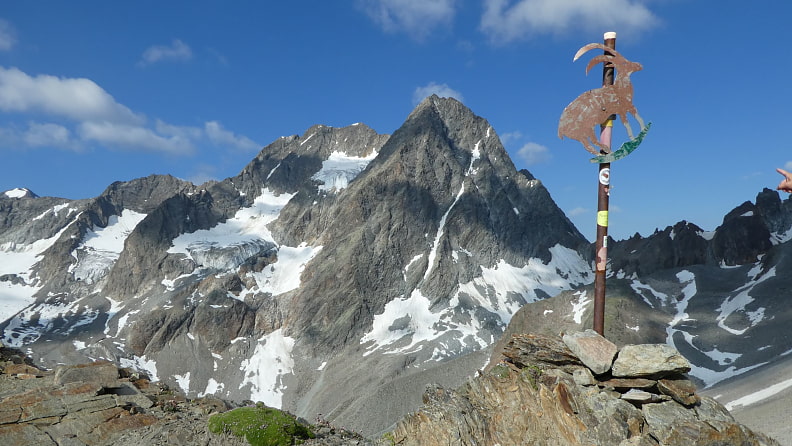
column 599, row 108
column 603, row 196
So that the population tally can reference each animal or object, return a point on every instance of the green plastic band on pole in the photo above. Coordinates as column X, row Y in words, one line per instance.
column 624, row 150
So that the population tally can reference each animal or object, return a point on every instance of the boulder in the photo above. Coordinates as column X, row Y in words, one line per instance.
column 540, row 351
column 102, row 373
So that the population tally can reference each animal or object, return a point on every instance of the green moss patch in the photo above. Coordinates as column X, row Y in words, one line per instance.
column 261, row 426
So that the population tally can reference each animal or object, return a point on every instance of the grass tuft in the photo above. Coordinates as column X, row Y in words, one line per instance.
column 261, row 426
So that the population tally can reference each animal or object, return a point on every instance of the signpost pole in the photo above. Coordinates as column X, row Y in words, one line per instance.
column 603, row 190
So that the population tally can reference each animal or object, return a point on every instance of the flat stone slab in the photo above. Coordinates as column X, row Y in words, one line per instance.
column 683, row 391
column 592, row 349
column 639, row 396
column 101, row 373
column 20, row 434
column 628, row 383
column 541, row 351
column 649, row 360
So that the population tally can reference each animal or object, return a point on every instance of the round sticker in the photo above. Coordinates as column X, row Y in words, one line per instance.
column 604, row 176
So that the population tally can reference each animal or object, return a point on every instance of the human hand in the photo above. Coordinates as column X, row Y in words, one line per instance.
column 786, row 184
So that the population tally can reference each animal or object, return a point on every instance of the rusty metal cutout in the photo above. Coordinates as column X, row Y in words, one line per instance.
column 595, row 107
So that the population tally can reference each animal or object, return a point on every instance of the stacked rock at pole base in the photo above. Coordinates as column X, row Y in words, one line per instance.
column 540, row 392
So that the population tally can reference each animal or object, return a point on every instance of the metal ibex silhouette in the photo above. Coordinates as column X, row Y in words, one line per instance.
column 594, row 107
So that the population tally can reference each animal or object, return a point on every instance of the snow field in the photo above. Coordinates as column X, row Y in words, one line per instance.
column 270, row 361
column 340, row 169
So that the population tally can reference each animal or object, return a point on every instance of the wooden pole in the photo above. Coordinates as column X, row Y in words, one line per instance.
column 603, row 190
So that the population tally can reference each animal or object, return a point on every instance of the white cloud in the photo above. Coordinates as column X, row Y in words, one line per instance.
column 442, row 90
column 36, row 135
column 133, row 137
column 788, row 166
column 218, row 135
column 47, row 134
column 85, row 115
column 506, row 20
column 185, row 132
column 7, row 35
column 533, row 153
column 73, row 98
column 417, row 18
column 176, row 51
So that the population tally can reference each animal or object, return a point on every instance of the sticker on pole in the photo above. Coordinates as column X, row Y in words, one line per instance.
column 604, row 177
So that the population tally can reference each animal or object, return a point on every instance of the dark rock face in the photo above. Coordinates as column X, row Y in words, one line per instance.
column 747, row 232
column 742, row 237
column 676, row 246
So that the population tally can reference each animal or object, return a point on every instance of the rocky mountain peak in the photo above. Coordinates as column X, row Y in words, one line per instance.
column 19, row 192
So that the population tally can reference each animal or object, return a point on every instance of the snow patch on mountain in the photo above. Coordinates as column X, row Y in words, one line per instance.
column 16, row 193
column 439, row 236
column 284, row 275
column 688, row 279
column 265, row 369
column 674, row 330
column 248, row 225
column 579, row 306
column 565, row 270
column 14, row 297
column 183, row 381
column 141, row 363
column 340, row 169
column 739, row 302
column 640, row 288
column 101, row 247
column 55, row 210
column 499, row 291
column 28, row 325
column 212, row 388
column 403, row 317
column 442, row 223
column 111, row 238
column 760, row 395
column 229, row 244
column 16, row 263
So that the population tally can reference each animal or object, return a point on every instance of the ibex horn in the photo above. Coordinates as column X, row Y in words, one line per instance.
column 601, row 58
column 593, row 46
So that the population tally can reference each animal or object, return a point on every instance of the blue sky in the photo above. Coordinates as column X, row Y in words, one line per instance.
column 93, row 92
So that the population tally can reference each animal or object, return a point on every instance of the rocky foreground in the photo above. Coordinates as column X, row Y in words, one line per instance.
column 101, row 404
column 579, row 389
